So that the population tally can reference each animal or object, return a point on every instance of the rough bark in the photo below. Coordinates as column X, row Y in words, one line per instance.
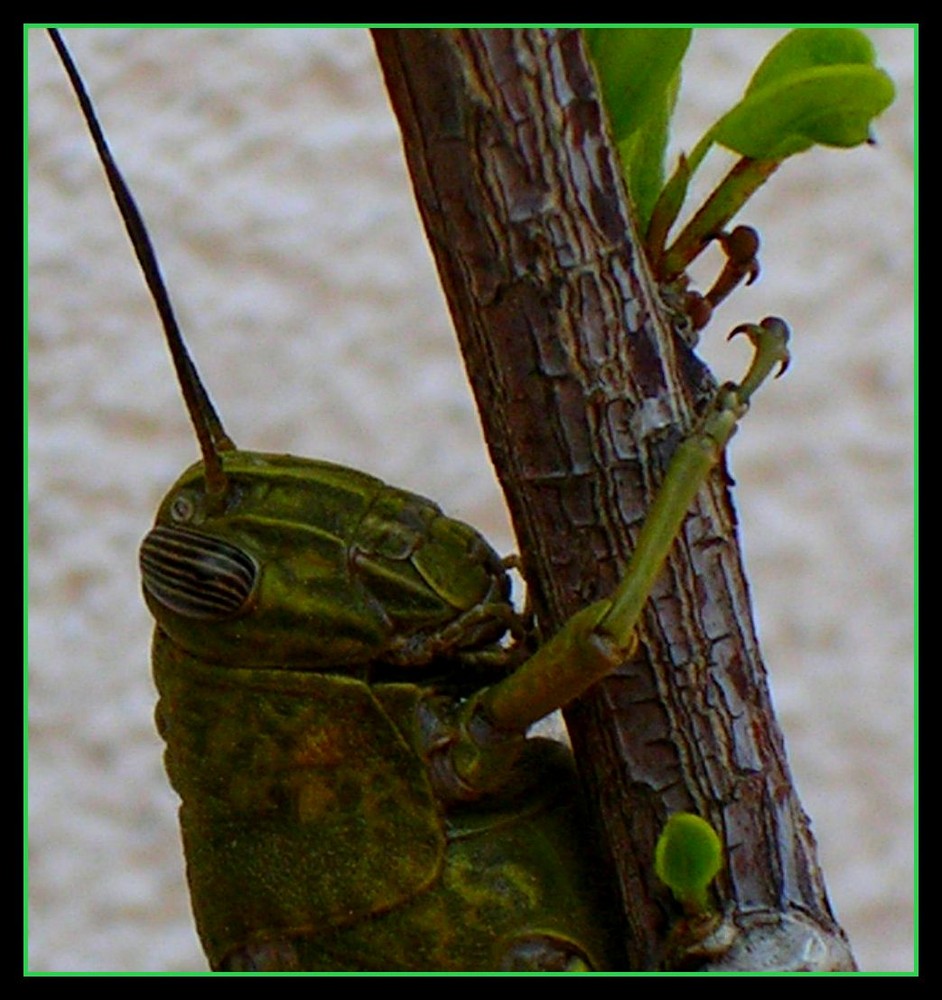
column 584, row 391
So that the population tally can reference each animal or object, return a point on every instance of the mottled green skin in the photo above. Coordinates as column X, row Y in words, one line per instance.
column 313, row 836
column 311, row 829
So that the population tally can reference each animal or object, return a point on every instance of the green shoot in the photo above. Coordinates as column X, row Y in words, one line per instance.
column 817, row 86
column 687, row 857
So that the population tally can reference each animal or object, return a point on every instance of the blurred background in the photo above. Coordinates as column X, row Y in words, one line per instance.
column 269, row 168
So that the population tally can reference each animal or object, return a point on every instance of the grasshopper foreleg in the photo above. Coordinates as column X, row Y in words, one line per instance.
column 597, row 639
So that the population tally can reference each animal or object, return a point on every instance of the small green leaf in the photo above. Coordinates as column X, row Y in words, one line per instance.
column 818, row 85
column 832, row 106
column 806, row 48
column 687, row 857
column 636, row 67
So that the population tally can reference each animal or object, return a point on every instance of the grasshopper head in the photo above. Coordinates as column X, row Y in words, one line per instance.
column 310, row 565
column 269, row 560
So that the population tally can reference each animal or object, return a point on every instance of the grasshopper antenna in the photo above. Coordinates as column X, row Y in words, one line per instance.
column 209, row 430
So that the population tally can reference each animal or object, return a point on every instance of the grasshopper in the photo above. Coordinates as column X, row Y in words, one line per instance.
column 356, row 795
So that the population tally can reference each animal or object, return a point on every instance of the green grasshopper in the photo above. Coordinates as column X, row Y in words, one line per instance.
column 345, row 719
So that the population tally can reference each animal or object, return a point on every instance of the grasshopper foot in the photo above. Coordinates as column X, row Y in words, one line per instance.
column 770, row 339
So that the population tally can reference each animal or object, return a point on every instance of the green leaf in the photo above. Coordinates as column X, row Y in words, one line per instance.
column 818, row 85
column 687, row 857
column 636, row 67
column 832, row 106
column 806, row 48
column 642, row 155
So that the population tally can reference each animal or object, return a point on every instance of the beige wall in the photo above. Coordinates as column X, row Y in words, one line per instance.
column 269, row 168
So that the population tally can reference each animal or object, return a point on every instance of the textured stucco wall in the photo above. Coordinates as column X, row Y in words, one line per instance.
column 269, row 168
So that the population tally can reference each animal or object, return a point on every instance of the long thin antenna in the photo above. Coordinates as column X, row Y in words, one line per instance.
column 209, row 430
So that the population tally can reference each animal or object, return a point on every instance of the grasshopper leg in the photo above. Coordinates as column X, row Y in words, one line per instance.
column 600, row 637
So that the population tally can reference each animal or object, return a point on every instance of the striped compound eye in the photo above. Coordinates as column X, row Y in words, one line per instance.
column 196, row 575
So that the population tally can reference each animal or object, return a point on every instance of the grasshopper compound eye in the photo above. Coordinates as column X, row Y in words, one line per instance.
column 196, row 575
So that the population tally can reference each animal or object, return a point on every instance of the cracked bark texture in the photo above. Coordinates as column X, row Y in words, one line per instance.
column 584, row 391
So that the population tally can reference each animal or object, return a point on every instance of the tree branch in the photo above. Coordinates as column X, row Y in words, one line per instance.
column 584, row 392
